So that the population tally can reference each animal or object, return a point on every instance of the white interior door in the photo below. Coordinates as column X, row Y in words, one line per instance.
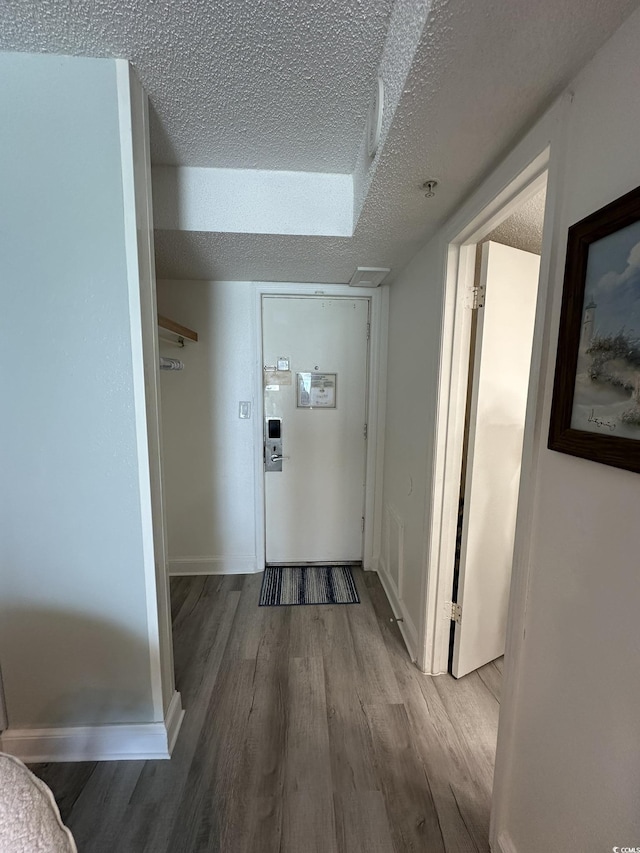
column 317, row 400
column 500, row 382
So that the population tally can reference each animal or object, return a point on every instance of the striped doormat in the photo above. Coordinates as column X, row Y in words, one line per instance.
column 308, row 585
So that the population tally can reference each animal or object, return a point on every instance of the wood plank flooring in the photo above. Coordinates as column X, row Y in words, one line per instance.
column 308, row 730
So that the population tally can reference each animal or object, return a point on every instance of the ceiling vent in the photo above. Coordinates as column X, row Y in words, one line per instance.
column 368, row 276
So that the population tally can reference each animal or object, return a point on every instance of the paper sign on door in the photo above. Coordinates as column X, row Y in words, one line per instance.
column 317, row 390
column 273, row 378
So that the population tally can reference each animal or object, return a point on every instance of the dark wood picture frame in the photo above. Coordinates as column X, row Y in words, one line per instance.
column 606, row 449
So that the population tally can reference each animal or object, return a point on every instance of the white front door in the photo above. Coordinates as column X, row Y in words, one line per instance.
column 500, row 383
column 315, row 395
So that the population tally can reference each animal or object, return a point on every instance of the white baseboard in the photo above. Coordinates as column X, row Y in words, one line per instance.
column 504, row 844
column 213, row 565
column 407, row 628
column 127, row 741
column 173, row 721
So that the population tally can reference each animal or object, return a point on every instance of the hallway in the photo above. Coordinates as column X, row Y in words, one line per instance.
column 307, row 730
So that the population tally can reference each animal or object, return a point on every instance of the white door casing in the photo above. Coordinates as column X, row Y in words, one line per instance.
column 497, row 417
column 314, row 507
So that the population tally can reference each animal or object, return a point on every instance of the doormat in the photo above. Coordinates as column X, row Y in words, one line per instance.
column 287, row 585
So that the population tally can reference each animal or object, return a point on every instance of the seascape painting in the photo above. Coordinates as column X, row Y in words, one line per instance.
column 606, row 396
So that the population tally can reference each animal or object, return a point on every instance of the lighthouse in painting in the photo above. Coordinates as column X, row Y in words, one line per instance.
column 588, row 326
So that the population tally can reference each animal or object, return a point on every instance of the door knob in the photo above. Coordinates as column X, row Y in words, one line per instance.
column 276, row 456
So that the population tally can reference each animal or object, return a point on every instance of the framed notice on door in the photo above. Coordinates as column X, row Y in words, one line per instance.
column 317, row 390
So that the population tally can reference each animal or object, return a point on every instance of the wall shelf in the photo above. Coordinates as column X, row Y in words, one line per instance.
column 182, row 333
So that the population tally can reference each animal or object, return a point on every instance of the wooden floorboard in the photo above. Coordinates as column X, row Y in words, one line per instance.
column 307, row 730
column 413, row 817
column 491, row 675
column 361, row 823
column 461, row 801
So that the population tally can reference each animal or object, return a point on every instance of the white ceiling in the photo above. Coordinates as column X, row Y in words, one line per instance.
column 283, row 84
column 523, row 229
column 275, row 84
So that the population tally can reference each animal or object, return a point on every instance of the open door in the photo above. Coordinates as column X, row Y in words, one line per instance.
column 499, row 384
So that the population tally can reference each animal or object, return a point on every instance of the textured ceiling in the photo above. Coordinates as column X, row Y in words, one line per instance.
column 482, row 73
column 270, row 84
column 263, row 257
column 523, row 229
column 284, row 85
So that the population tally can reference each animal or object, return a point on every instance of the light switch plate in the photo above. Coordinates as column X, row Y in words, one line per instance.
column 244, row 410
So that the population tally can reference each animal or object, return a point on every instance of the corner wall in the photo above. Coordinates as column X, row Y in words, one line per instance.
column 415, row 319
column 75, row 644
column 208, row 451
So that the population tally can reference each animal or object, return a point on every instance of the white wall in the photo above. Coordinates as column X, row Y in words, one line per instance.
column 74, row 645
column 574, row 779
column 415, row 310
column 212, row 458
column 253, row 201
column 569, row 744
column 208, row 451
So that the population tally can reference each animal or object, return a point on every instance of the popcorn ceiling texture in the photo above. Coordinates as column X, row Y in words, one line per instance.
column 286, row 85
column 193, row 255
column 481, row 75
column 523, row 229
column 270, row 84
column 403, row 37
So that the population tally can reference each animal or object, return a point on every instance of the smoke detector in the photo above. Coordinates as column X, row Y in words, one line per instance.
column 368, row 276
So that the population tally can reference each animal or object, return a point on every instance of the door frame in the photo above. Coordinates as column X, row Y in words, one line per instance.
column 376, row 404
column 543, row 147
column 441, row 526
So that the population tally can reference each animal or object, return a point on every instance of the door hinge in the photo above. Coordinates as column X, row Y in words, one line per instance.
column 478, row 293
column 363, row 523
column 368, row 330
column 455, row 611
column 366, row 431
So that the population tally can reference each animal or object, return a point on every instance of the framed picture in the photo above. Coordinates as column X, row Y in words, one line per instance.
column 595, row 411
column 316, row 390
